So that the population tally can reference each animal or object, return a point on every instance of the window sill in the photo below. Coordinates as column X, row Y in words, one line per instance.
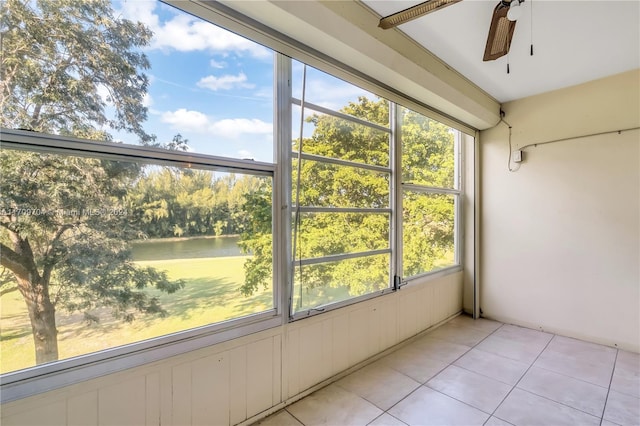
column 431, row 275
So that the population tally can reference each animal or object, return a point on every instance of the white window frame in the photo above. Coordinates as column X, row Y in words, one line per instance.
column 293, row 155
column 457, row 191
column 396, row 189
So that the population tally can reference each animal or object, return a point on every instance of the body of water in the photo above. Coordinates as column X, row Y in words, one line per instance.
column 189, row 248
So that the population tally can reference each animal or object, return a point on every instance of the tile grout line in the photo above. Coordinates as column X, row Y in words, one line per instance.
column 450, row 364
column 492, row 414
column 441, row 370
column 564, row 375
column 291, row 414
column 484, row 375
column 571, row 377
column 558, row 402
column 388, row 414
column 606, row 400
column 373, row 403
column 525, row 373
column 421, row 384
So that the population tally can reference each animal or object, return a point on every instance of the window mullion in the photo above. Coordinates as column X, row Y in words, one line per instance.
column 338, row 114
column 282, row 280
column 429, row 189
column 339, row 162
column 337, row 257
column 395, row 223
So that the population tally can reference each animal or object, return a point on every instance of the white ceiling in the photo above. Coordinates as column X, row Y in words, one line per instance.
column 574, row 41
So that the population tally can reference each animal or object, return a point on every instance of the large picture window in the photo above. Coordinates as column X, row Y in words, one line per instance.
column 137, row 192
column 101, row 253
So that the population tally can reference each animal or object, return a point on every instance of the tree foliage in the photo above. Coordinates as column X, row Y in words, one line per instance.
column 256, row 238
column 63, row 61
column 174, row 202
column 72, row 67
column 427, row 159
column 428, row 219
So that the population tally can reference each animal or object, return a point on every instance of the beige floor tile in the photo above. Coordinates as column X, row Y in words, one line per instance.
column 426, row 407
column 494, row 421
column 472, row 388
column 580, row 360
column 523, row 408
column 577, row 368
column 628, row 360
column 582, row 349
column 575, row 393
column 517, row 343
column 334, row 406
column 481, row 324
column 462, row 335
column 379, row 384
column 626, row 375
column 491, row 365
column 622, row 409
column 608, row 423
column 440, row 349
column 415, row 363
column 387, row 419
column 281, row 418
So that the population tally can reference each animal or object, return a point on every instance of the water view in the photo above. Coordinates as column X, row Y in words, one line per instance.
column 186, row 248
column 212, row 269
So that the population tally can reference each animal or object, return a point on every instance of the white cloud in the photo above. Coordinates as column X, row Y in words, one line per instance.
column 232, row 128
column 335, row 96
column 186, row 33
column 218, row 65
column 225, row 82
column 245, row 153
column 183, row 119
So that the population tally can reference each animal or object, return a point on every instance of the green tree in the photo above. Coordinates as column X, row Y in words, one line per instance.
column 328, row 185
column 256, row 237
column 64, row 221
column 428, row 219
column 427, row 158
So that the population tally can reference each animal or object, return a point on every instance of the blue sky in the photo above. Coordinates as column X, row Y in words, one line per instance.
column 214, row 87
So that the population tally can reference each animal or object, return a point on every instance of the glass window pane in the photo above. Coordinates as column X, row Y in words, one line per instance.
column 428, row 151
column 324, row 234
column 317, row 182
column 336, row 94
column 331, row 282
column 333, row 185
column 428, row 233
column 115, row 252
column 343, row 139
column 155, row 75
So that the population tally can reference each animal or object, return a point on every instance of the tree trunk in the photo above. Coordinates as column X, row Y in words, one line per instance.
column 42, row 314
column 35, row 291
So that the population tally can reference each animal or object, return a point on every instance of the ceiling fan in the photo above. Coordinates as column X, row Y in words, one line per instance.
column 503, row 22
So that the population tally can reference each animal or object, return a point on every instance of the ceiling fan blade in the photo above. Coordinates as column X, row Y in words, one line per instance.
column 414, row 12
column 500, row 34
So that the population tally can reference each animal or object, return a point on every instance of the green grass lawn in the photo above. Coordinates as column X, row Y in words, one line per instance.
column 211, row 295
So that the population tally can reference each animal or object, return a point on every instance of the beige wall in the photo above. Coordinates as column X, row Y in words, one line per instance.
column 560, row 236
column 235, row 381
